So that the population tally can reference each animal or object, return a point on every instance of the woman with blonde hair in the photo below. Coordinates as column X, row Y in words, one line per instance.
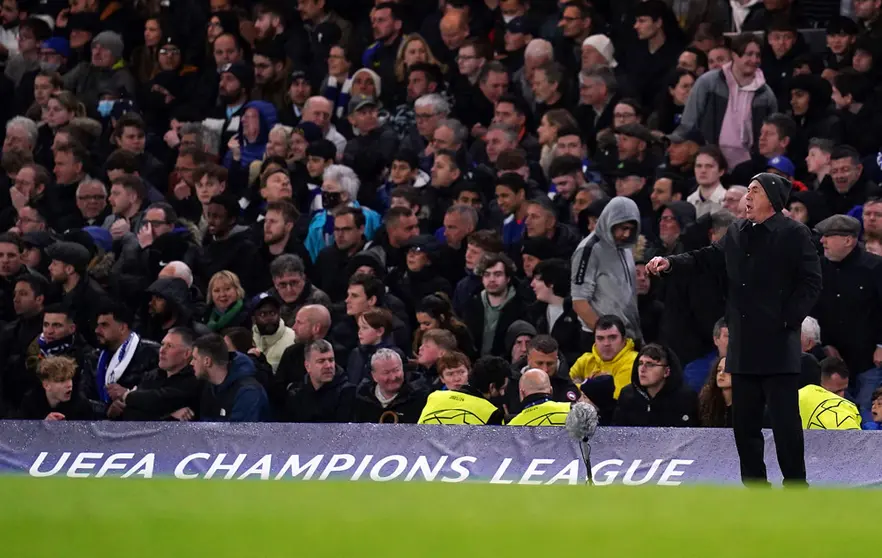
column 226, row 302
column 414, row 49
column 549, row 126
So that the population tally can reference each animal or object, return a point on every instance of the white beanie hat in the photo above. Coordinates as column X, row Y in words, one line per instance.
column 604, row 46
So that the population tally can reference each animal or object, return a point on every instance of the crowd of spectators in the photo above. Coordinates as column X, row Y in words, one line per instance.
column 336, row 211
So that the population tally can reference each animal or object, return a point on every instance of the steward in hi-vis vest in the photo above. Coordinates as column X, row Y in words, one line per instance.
column 471, row 403
column 538, row 407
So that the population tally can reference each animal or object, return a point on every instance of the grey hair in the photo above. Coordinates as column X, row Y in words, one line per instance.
column 460, row 132
column 600, row 73
column 386, row 354
column 436, row 102
column 195, row 128
column 345, row 177
column 93, row 181
column 511, row 134
column 466, row 211
column 539, row 48
column 287, row 263
column 811, row 329
column 182, row 271
column 320, row 346
column 28, row 125
column 738, row 188
column 721, row 219
column 593, row 188
column 718, row 327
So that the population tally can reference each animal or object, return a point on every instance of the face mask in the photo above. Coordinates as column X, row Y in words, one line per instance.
column 49, row 66
column 330, row 200
column 105, row 107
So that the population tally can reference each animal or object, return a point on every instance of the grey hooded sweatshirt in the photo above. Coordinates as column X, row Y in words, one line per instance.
column 603, row 274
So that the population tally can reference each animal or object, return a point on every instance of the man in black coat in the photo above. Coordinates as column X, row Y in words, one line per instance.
column 774, row 278
column 387, row 396
column 656, row 395
column 80, row 292
column 17, row 336
column 849, row 309
column 326, row 395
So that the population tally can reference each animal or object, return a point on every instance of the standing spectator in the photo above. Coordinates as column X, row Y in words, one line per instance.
column 325, row 395
column 851, row 303
column 603, row 271
column 553, row 312
column 774, row 279
column 656, row 395
column 720, row 98
column 271, row 335
column 656, row 51
column 388, row 397
column 232, row 392
column 489, row 314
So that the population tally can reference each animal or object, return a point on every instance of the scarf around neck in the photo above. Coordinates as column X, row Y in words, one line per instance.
column 218, row 321
column 112, row 367
column 55, row 348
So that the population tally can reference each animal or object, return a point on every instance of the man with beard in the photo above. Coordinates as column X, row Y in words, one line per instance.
column 123, row 361
column 236, row 81
column 269, row 76
column 270, row 28
column 79, row 291
column 278, row 237
column 60, row 338
column 386, row 24
column 271, row 335
column 292, row 286
column 489, row 313
column 169, row 391
column 232, row 392
column 330, row 266
column 11, row 270
column 29, row 296
column 55, row 399
column 168, row 308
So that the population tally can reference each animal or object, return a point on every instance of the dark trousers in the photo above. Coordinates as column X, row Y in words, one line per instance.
column 750, row 394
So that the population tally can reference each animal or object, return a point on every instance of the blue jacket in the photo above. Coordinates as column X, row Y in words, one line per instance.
column 695, row 373
column 240, row 398
column 255, row 151
column 318, row 238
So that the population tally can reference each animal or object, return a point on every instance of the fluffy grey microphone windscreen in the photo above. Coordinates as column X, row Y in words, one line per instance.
column 582, row 422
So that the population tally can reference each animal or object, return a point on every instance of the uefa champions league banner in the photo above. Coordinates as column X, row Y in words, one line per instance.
column 499, row 455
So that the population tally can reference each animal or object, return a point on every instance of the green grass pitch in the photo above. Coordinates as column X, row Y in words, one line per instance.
column 62, row 517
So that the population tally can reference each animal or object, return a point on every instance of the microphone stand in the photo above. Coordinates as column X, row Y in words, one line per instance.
column 585, row 448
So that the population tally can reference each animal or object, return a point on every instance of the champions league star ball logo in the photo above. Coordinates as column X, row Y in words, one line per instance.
column 834, row 413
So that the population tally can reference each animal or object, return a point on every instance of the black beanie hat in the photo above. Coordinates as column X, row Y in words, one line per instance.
column 777, row 188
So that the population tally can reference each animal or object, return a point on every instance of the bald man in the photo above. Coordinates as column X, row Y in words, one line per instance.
column 539, row 409
column 454, row 29
column 311, row 323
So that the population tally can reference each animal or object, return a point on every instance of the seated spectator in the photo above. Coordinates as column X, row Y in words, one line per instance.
column 612, row 353
column 453, row 370
column 553, row 312
column 472, row 403
column 875, row 412
column 675, row 217
column 810, row 338
column 420, row 276
column 388, row 397
column 170, row 391
column 232, row 392
column 270, row 334
column 543, row 354
column 434, row 312
column 715, row 397
column 374, row 334
column 534, row 390
column 169, row 306
column 292, row 286
column 325, row 395
column 824, row 407
column 656, row 395
column 56, row 399
column 226, row 302
column 227, row 246
column 517, row 338
column 434, row 344
column 695, row 374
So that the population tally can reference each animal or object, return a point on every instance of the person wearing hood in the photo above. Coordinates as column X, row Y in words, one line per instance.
column 388, row 397
column 325, row 394
column 517, row 339
column 228, row 246
column 810, row 103
column 603, row 273
column 106, row 71
column 774, row 280
column 271, row 335
column 249, row 145
column 168, row 307
column 232, row 392
column 172, row 86
column 656, row 395
column 710, row 110
column 808, row 208
column 419, row 277
column 674, row 219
